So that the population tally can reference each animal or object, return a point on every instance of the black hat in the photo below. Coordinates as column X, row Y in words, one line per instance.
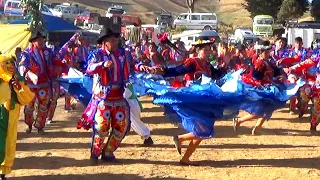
column 36, row 35
column 263, row 45
column 240, row 46
column 72, row 45
column 108, row 33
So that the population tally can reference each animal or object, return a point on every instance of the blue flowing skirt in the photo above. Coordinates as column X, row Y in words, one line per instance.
column 196, row 108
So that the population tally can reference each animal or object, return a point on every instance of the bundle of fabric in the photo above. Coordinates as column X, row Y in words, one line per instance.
column 78, row 85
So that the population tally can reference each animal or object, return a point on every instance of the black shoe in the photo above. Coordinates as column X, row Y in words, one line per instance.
column 3, row 177
column 313, row 129
column 93, row 160
column 148, row 142
column 29, row 129
column 41, row 132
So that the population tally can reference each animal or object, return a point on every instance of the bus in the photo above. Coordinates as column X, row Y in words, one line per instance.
column 263, row 25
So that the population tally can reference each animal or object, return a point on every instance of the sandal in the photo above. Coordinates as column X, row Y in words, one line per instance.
column 176, row 144
column 235, row 124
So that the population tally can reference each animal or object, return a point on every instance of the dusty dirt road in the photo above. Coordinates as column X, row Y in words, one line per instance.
column 285, row 150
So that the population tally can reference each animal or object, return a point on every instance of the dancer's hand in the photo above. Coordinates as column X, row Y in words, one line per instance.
column 143, row 68
column 279, row 62
column 151, row 70
column 287, row 70
column 107, row 64
column 16, row 84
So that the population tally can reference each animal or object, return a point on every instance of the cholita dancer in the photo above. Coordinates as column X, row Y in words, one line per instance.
column 264, row 73
column 197, row 107
column 192, row 68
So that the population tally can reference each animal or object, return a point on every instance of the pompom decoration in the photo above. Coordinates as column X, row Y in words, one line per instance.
column 176, row 84
column 163, row 38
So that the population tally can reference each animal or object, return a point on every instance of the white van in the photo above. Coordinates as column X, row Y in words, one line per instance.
column 199, row 21
column 13, row 7
column 192, row 36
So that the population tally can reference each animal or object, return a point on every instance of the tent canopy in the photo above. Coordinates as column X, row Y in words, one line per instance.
column 52, row 24
column 13, row 36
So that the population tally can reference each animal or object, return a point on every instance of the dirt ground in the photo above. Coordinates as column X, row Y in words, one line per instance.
column 285, row 150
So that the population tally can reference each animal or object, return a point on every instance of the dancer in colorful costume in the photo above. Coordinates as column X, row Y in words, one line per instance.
column 264, row 73
column 311, row 91
column 298, row 54
column 280, row 50
column 197, row 107
column 135, row 115
column 107, row 108
column 14, row 94
column 67, row 55
column 80, row 86
column 37, row 67
column 193, row 68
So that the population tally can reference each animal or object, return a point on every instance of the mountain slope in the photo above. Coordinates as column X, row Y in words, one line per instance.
column 229, row 11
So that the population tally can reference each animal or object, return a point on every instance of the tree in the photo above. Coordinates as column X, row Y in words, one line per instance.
column 262, row 7
column 292, row 9
column 190, row 5
column 315, row 6
column 34, row 10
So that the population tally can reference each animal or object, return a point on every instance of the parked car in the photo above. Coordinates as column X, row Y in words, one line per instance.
column 165, row 18
column 52, row 5
column 13, row 7
column 197, row 21
column 57, row 10
column 86, row 18
column 115, row 10
column 70, row 13
column 45, row 10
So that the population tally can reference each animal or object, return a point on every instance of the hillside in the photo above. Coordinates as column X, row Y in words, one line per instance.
column 229, row 11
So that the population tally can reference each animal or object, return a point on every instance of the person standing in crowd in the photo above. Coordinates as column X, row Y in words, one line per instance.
column 144, row 46
column 280, row 51
column 108, row 111
column 299, row 53
column 81, row 52
column 14, row 94
column 18, row 53
column 155, row 56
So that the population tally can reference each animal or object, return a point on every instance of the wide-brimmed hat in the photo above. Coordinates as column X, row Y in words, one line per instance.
column 240, row 47
column 262, row 45
column 107, row 33
column 35, row 35
column 201, row 43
